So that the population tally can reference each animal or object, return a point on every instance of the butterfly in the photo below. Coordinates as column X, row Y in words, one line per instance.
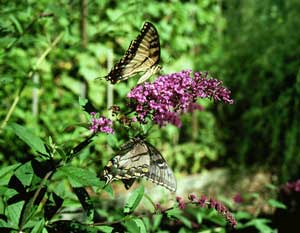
column 138, row 158
column 143, row 55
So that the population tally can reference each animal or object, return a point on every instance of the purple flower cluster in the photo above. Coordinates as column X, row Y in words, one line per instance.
column 171, row 95
column 212, row 203
column 100, row 124
column 292, row 186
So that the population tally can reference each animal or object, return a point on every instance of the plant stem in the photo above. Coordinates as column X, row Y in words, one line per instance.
column 30, row 74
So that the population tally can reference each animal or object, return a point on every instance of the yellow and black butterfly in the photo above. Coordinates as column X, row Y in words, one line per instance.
column 143, row 55
column 138, row 158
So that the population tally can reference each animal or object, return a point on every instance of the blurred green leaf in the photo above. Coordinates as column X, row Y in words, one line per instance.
column 156, row 221
column 109, row 190
column 134, row 199
column 135, row 225
column 82, row 101
column 29, row 138
column 177, row 213
column 261, row 225
column 276, row 204
column 243, row 215
column 105, row 229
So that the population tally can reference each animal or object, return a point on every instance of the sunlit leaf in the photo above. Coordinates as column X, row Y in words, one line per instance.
column 135, row 225
column 14, row 213
column 105, row 229
column 134, row 199
column 25, row 173
column 38, row 226
column 80, row 177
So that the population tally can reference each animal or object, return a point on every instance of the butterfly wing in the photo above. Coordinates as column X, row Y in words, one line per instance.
column 142, row 55
column 138, row 158
column 153, row 70
column 132, row 161
column 159, row 172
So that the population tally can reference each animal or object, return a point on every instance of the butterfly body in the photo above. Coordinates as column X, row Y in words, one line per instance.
column 138, row 158
column 143, row 55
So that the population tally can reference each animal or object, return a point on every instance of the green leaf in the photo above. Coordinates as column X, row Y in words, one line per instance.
column 199, row 217
column 82, row 101
column 7, row 169
column 134, row 200
column 105, row 229
column 29, row 138
column 25, row 174
column 261, row 225
column 80, row 177
column 243, row 215
column 147, row 223
column 176, row 213
column 156, row 221
column 215, row 217
column 38, row 226
column 5, row 173
column 14, row 213
column 276, row 204
column 109, row 190
column 272, row 187
column 4, row 224
column 135, row 225
column 31, row 206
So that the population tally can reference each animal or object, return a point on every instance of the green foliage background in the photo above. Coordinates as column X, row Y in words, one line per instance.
column 253, row 46
column 190, row 39
column 262, row 66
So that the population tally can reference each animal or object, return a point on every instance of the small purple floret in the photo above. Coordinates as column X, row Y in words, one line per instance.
column 100, row 124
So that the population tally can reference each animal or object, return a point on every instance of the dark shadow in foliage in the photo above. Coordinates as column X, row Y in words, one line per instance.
column 53, row 203
column 4, row 31
column 79, row 147
column 89, row 107
column 6, row 230
column 85, row 201
column 68, row 226
column 15, row 183
column 41, row 168
column 287, row 220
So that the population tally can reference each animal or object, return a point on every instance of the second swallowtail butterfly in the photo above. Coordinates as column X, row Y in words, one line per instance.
column 138, row 158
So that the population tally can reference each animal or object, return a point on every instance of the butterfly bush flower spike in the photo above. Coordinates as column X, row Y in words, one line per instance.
column 212, row 203
column 171, row 95
column 100, row 124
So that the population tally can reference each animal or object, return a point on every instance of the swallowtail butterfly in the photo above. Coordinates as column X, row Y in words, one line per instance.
column 138, row 158
column 143, row 55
